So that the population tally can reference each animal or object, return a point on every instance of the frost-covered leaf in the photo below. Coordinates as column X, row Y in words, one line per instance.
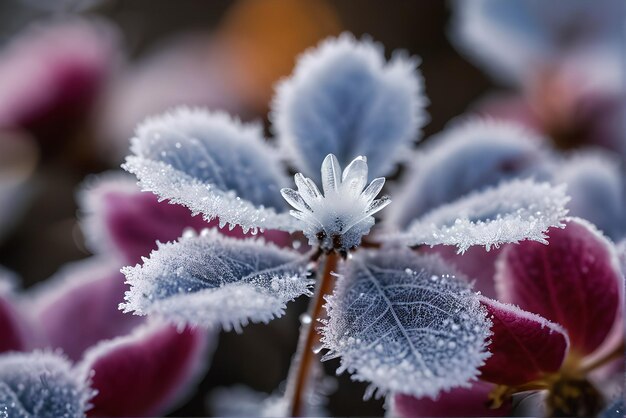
column 211, row 280
column 405, row 323
column 597, row 185
column 77, row 307
column 344, row 98
column 146, row 372
column 214, row 165
column 516, row 37
column 510, row 212
column 574, row 281
column 41, row 385
column 465, row 158
column 117, row 218
column 458, row 402
column 524, row 346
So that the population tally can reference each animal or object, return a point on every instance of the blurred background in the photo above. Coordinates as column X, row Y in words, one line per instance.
column 77, row 76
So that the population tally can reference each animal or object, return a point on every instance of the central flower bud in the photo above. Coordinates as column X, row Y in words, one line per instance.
column 337, row 219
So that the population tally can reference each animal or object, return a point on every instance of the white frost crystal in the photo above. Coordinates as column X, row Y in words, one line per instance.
column 337, row 219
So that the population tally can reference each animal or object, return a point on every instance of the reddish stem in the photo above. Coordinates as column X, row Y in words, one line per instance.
column 309, row 338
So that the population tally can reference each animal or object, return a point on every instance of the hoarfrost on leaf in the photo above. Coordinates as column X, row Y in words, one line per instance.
column 406, row 323
column 211, row 280
column 214, row 165
column 344, row 98
column 338, row 218
column 467, row 157
column 511, row 212
column 41, row 385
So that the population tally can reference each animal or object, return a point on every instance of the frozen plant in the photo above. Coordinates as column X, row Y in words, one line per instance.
column 402, row 321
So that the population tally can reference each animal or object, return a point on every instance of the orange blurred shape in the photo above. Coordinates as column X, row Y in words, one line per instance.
column 268, row 35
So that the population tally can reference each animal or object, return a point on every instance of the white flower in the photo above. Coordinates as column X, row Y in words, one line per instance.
column 339, row 218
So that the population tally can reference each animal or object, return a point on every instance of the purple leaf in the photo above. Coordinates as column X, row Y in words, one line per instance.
column 524, row 346
column 573, row 281
column 118, row 217
column 77, row 307
column 146, row 372
column 461, row 402
column 51, row 74
column 476, row 263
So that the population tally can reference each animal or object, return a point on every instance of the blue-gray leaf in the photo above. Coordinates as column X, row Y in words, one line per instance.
column 465, row 158
column 41, row 385
column 345, row 99
column 214, row 165
column 510, row 212
column 211, row 280
column 405, row 323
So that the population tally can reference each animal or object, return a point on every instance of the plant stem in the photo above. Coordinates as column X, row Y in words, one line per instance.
column 309, row 338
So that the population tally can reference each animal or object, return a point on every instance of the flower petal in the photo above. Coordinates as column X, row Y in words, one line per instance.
column 458, row 402
column 77, row 307
column 344, row 99
column 214, row 165
column 212, row 280
column 574, row 281
column 524, row 346
column 405, row 323
column 511, row 212
column 42, row 385
column 147, row 372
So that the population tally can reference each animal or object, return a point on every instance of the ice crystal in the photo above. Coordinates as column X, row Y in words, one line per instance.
column 338, row 218
column 211, row 280
column 406, row 323
column 344, row 98
column 212, row 164
column 467, row 157
column 511, row 212
column 41, row 385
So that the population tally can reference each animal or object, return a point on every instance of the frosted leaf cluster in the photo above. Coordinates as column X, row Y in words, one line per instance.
column 511, row 212
column 337, row 219
column 214, row 165
column 406, row 323
column 41, row 385
column 402, row 321
column 467, row 157
column 211, row 280
column 344, row 98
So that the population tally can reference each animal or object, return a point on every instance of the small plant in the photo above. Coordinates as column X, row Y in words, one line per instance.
column 404, row 321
